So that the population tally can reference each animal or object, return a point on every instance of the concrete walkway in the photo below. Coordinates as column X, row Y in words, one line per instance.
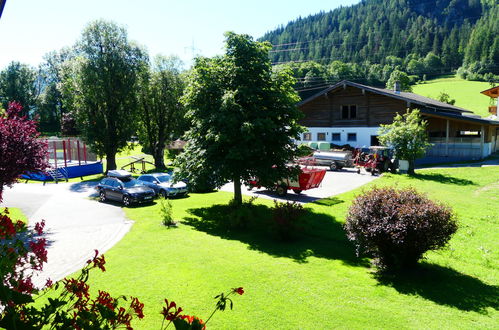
column 334, row 183
column 75, row 225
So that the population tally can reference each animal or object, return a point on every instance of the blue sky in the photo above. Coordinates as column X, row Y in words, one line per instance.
column 31, row 28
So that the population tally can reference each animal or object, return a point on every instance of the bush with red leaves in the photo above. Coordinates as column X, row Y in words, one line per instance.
column 20, row 150
column 397, row 226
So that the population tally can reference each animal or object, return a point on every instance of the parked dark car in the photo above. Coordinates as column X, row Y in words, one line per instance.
column 163, row 184
column 122, row 187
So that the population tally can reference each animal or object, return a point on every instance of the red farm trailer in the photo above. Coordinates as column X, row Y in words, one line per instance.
column 308, row 178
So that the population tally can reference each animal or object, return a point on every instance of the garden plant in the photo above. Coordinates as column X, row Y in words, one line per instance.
column 397, row 226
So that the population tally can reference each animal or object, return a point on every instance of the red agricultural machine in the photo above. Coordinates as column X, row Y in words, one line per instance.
column 308, row 178
column 374, row 159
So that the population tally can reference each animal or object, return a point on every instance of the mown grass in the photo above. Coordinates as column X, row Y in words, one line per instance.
column 466, row 93
column 15, row 214
column 316, row 282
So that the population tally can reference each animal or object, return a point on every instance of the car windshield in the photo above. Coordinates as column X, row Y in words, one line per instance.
column 132, row 183
column 164, row 178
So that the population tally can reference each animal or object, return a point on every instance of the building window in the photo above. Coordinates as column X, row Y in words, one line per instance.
column 472, row 134
column 349, row 111
column 336, row 137
column 352, row 137
column 321, row 136
column 307, row 136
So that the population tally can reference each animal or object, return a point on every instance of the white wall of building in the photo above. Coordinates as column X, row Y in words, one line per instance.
column 363, row 135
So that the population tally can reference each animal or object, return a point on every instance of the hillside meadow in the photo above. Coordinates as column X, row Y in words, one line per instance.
column 466, row 93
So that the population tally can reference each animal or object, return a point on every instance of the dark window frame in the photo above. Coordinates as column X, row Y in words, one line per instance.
column 333, row 135
column 307, row 136
column 349, row 111
column 349, row 135
column 323, row 134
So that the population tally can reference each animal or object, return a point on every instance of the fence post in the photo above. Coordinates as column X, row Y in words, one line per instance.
column 54, row 144
column 64, row 148
column 78, row 148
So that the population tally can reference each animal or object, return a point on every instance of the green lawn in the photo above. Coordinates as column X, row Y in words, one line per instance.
column 316, row 282
column 466, row 93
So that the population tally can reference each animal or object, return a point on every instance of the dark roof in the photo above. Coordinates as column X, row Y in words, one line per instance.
column 405, row 96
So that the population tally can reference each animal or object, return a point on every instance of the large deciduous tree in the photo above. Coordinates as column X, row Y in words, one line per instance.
column 19, row 83
column 161, row 112
column 101, row 86
column 20, row 150
column 50, row 107
column 407, row 136
column 243, row 117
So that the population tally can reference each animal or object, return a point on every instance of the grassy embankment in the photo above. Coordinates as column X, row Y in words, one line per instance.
column 466, row 93
column 316, row 282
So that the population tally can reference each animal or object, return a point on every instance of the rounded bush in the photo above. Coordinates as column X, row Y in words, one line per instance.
column 397, row 226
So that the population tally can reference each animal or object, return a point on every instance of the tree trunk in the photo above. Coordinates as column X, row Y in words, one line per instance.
column 110, row 161
column 159, row 157
column 238, row 197
column 410, row 170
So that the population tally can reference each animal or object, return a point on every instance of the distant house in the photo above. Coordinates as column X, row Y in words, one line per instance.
column 493, row 93
column 351, row 113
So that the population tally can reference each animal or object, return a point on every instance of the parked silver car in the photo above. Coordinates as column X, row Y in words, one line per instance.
column 163, row 185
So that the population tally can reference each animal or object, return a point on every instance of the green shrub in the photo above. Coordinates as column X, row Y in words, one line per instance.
column 166, row 212
column 286, row 219
column 304, row 150
column 397, row 226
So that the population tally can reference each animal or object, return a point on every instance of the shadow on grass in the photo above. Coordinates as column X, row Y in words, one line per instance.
column 444, row 286
column 322, row 235
column 445, row 179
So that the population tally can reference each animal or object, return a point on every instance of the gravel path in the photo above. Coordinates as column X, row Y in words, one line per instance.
column 74, row 224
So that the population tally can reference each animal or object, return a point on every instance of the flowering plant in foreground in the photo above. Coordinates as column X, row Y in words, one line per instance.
column 23, row 253
column 171, row 313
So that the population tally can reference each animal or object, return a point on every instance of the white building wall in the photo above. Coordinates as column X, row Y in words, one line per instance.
column 363, row 135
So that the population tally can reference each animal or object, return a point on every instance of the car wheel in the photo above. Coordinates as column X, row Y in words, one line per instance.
column 163, row 193
column 126, row 200
column 282, row 190
column 333, row 166
column 102, row 196
column 297, row 191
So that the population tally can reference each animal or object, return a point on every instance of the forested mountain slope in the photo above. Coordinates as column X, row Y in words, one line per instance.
column 460, row 33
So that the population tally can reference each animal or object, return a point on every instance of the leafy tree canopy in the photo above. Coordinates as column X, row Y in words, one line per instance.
column 161, row 112
column 243, row 117
column 407, row 136
column 101, row 85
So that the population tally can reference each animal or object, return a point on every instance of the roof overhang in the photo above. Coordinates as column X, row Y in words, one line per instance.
column 443, row 115
column 491, row 92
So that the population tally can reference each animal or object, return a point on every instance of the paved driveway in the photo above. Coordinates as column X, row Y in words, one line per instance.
column 334, row 183
column 75, row 224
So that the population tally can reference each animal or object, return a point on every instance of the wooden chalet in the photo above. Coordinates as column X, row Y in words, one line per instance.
column 351, row 113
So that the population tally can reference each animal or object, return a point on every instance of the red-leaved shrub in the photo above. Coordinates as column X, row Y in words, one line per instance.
column 397, row 226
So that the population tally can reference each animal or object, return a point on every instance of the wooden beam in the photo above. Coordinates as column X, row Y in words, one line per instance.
column 482, row 140
column 447, row 138
column 2, row 5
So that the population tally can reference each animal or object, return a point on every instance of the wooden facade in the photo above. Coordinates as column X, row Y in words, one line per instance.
column 353, row 109
column 372, row 109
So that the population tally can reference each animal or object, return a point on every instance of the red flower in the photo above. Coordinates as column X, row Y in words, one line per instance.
column 99, row 262
column 105, row 299
column 138, row 307
column 170, row 316
column 39, row 227
column 78, row 288
column 239, row 290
